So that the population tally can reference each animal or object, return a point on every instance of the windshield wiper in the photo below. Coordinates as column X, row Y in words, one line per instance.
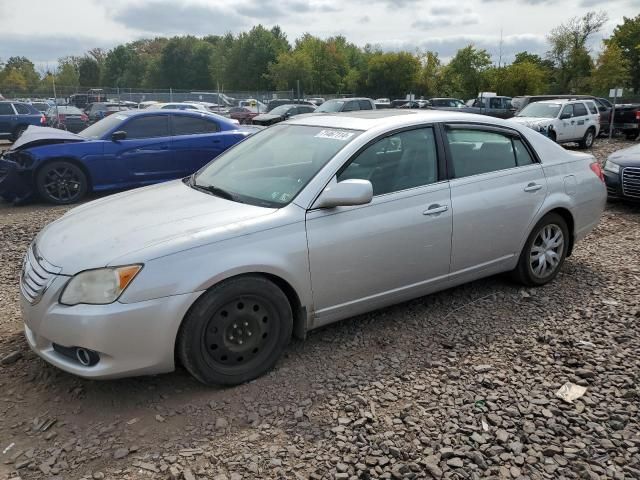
column 218, row 192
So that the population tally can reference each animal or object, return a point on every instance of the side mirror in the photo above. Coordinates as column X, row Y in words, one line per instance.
column 119, row 135
column 345, row 193
column 565, row 116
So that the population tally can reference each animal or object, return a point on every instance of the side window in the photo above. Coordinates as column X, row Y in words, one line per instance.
column 147, row 127
column 592, row 107
column 351, row 106
column 579, row 110
column 397, row 162
column 495, row 102
column 523, row 157
column 475, row 151
column 6, row 109
column 188, row 125
column 365, row 105
column 22, row 109
column 508, row 104
column 567, row 110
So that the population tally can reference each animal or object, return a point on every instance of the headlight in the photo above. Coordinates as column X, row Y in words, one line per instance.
column 609, row 166
column 100, row 286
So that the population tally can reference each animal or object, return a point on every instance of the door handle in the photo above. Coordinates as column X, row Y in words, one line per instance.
column 532, row 187
column 164, row 147
column 435, row 209
column 215, row 141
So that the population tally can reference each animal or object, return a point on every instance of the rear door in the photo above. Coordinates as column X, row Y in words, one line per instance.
column 146, row 152
column 497, row 188
column 195, row 141
column 8, row 118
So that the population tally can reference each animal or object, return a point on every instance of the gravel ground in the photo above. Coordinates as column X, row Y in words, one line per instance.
column 461, row 384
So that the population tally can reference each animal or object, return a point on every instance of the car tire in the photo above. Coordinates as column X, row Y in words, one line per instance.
column 588, row 139
column 61, row 183
column 533, row 272
column 552, row 136
column 17, row 133
column 236, row 331
column 631, row 135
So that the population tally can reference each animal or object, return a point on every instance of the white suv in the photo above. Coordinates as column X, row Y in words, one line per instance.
column 563, row 120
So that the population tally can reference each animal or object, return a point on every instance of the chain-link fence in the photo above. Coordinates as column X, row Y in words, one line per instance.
column 221, row 97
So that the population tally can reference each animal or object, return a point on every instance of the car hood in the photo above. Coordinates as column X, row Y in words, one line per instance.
column 627, row 157
column 171, row 215
column 532, row 121
column 44, row 136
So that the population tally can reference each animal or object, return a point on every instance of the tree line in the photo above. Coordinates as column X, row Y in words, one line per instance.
column 263, row 59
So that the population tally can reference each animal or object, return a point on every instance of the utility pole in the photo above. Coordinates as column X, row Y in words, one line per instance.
column 500, row 52
column 613, row 111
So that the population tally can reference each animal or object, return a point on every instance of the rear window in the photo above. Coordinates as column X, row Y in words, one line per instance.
column 579, row 110
column 147, row 127
column 365, row 105
column 592, row 107
column 188, row 125
column 6, row 109
column 22, row 109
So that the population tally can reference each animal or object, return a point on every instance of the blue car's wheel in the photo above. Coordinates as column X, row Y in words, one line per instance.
column 61, row 183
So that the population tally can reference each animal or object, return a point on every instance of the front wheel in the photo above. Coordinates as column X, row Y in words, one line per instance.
column 236, row 331
column 544, row 252
column 552, row 136
column 587, row 140
column 61, row 183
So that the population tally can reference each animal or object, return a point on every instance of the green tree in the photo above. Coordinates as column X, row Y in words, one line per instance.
column 569, row 52
column 13, row 81
column 88, row 72
column 465, row 73
column 26, row 69
column 430, row 75
column 612, row 69
column 67, row 73
column 523, row 78
column 247, row 61
column 394, row 73
column 627, row 37
column 288, row 68
column 117, row 65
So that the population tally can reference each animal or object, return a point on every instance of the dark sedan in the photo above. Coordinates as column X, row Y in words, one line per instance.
column 67, row 118
column 622, row 174
column 281, row 113
column 124, row 150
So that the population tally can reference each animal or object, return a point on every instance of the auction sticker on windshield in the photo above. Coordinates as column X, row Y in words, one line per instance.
column 335, row 135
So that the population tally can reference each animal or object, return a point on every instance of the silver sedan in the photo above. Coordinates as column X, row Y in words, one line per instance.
column 305, row 223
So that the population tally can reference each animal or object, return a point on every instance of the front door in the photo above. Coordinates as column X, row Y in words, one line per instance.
column 8, row 118
column 396, row 247
column 568, row 129
column 497, row 188
column 145, row 154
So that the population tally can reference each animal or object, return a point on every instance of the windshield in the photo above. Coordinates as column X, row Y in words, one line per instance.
column 330, row 106
column 540, row 110
column 100, row 128
column 281, row 110
column 271, row 167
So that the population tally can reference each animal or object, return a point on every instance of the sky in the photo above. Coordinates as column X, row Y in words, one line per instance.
column 44, row 30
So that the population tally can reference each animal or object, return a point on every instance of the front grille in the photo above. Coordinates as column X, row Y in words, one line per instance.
column 37, row 275
column 631, row 182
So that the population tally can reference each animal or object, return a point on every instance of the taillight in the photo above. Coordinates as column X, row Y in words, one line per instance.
column 61, row 118
column 597, row 169
column 84, row 118
column 638, row 115
column 43, row 120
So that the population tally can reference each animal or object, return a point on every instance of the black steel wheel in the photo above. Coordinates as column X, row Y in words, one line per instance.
column 236, row 331
column 61, row 183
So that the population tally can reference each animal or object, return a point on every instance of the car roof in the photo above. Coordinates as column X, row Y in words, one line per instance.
column 369, row 119
column 566, row 100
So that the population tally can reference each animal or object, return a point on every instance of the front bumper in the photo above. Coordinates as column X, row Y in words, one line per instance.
column 131, row 339
column 15, row 182
column 614, row 187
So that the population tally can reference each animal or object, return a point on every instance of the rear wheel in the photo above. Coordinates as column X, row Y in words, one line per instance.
column 544, row 252
column 236, row 331
column 587, row 140
column 61, row 183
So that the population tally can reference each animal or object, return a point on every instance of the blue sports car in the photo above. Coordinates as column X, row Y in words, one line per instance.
column 124, row 150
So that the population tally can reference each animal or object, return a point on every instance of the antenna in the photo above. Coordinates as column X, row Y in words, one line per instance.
column 500, row 55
